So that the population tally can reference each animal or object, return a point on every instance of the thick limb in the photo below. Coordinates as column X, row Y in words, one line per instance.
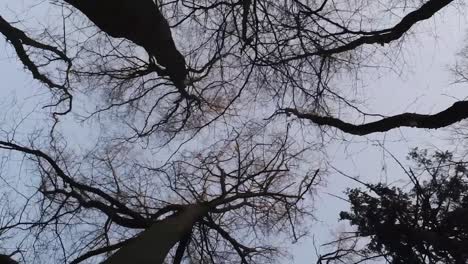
column 141, row 22
column 457, row 112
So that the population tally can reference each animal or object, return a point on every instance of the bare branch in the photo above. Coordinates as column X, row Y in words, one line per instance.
column 456, row 113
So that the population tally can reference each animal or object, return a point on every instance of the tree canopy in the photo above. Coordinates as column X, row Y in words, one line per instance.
column 425, row 223
column 205, row 123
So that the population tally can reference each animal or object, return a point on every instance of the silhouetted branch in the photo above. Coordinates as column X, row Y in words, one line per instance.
column 457, row 112
column 19, row 40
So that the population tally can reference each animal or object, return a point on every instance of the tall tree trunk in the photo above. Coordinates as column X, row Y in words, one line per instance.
column 153, row 244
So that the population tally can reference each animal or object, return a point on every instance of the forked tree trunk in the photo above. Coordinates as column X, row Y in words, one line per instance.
column 153, row 244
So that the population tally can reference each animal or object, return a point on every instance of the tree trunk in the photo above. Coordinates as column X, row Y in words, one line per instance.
column 153, row 244
column 4, row 259
column 141, row 22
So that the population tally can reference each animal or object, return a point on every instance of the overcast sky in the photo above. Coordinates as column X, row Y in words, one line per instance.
column 421, row 83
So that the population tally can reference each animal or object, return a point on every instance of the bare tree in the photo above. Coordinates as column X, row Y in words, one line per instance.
column 220, row 55
column 162, row 73
column 218, row 205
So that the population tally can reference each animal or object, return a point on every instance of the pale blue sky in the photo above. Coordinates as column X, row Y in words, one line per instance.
column 423, row 86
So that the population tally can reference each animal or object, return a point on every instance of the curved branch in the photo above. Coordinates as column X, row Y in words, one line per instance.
column 383, row 36
column 101, row 250
column 69, row 180
column 183, row 244
column 426, row 11
column 18, row 39
column 457, row 112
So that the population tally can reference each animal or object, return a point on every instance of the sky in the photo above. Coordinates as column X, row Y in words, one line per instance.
column 420, row 82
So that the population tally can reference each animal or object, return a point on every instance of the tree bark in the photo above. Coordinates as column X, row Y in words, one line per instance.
column 153, row 244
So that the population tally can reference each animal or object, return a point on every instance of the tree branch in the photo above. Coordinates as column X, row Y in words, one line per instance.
column 457, row 112
column 426, row 11
column 18, row 40
column 69, row 180
column 101, row 250
column 383, row 36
